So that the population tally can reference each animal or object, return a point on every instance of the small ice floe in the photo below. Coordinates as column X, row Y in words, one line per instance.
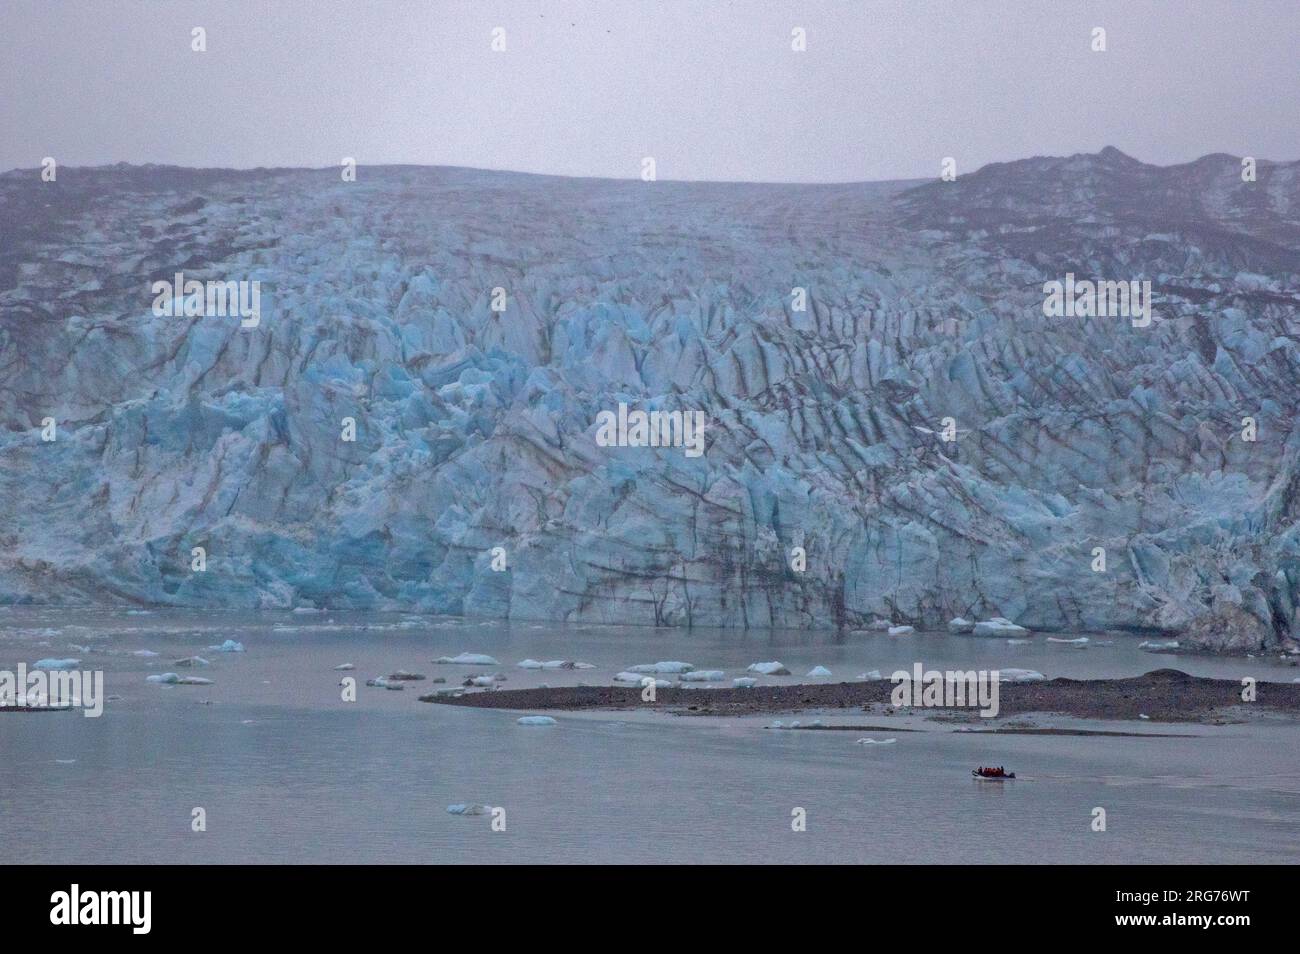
column 344, row 667
column 305, row 610
column 535, row 720
column 191, row 662
column 467, row 659
column 999, row 626
column 229, row 646
column 175, row 679
column 901, row 630
column 437, row 694
column 873, row 676
column 1018, row 642
column 480, row 682
column 403, row 676
column 144, row 653
column 65, row 761
column 783, row 725
column 703, row 675
column 959, row 625
column 61, row 664
column 1155, row 646
column 670, row 666
column 744, row 682
column 382, row 682
column 769, row 668
column 1143, row 715
column 817, row 672
column 466, row 809
column 1081, row 641
column 642, row 680
column 553, row 664
column 1020, row 675
column 876, row 741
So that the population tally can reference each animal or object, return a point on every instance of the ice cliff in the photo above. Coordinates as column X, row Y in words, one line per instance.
column 475, row 428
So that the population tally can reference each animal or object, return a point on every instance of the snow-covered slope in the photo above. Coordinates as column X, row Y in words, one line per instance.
column 476, row 429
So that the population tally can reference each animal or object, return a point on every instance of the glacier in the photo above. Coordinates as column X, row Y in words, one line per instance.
column 475, row 485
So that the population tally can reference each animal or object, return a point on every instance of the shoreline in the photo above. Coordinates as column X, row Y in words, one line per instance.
column 1163, row 695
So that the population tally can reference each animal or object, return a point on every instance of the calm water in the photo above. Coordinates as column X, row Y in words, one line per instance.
column 288, row 772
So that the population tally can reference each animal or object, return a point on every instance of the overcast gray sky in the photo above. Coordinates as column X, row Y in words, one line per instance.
column 710, row 88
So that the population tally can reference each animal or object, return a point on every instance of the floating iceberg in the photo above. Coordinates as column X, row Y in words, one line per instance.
column 345, row 667
column 1153, row 646
column 467, row 659
column 744, row 682
column 535, row 720
column 901, row 630
column 769, row 669
column 703, row 675
column 383, row 682
column 876, row 741
column 873, row 676
column 229, row 646
column 61, row 664
column 464, row 809
column 403, row 676
column 959, row 625
column 818, row 672
column 191, row 662
column 1081, row 641
column 144, row 653
column 441, row 694
column 530, row 664
column 999, row 626
column 1019, row 675
column 174, row 679
column 662, row 667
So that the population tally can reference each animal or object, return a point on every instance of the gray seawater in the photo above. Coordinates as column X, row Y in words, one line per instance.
column 288, row 772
